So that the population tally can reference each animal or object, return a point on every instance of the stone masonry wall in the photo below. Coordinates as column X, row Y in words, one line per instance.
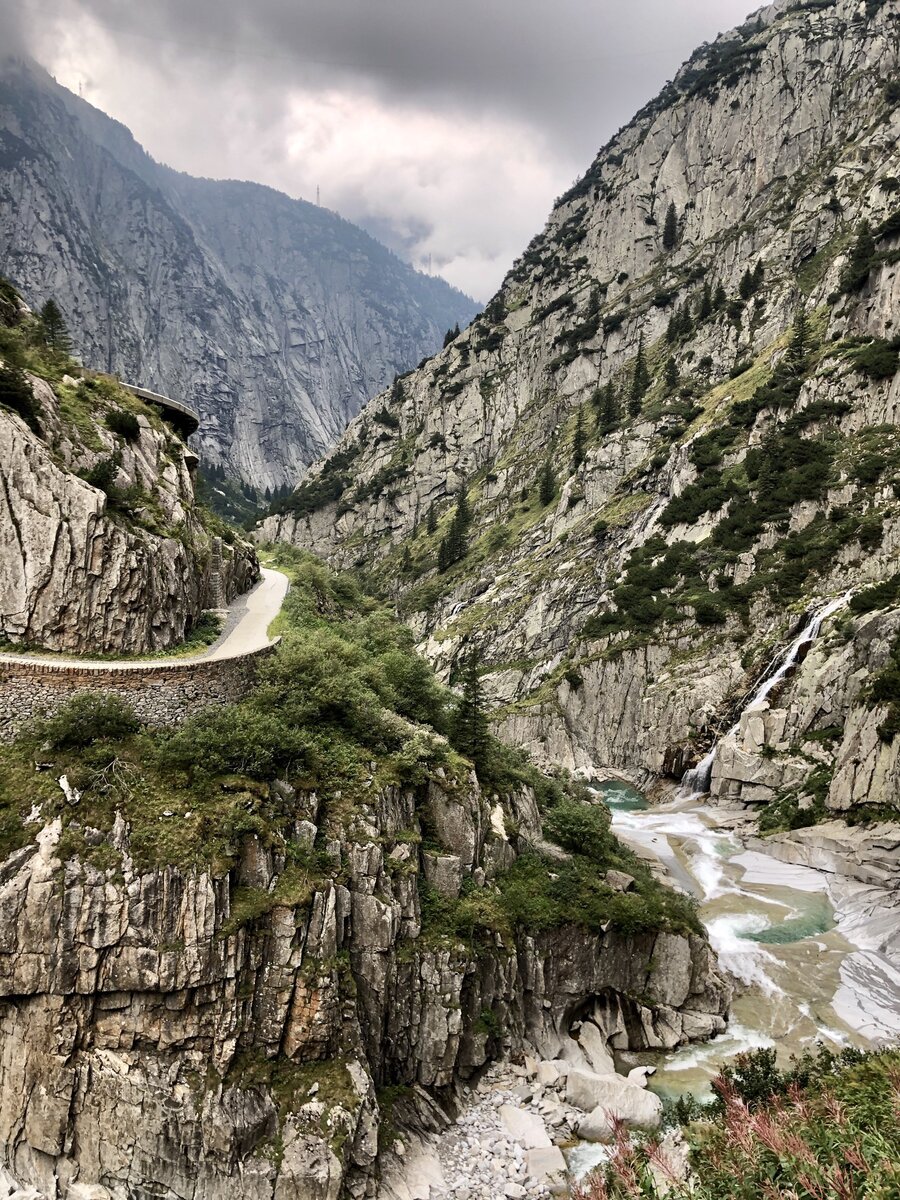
column 160, row 693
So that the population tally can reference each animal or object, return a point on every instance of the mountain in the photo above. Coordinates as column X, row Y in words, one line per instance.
column 675, row 427
column 272, row 317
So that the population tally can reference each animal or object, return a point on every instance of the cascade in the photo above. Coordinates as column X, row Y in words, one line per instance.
column 696, row 782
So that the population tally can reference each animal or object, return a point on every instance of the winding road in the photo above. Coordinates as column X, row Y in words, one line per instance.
column 246, row 630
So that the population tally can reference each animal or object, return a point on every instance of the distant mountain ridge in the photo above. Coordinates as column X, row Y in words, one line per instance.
column 276, row 319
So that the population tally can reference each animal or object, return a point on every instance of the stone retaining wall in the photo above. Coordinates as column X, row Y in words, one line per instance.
column 163, row 693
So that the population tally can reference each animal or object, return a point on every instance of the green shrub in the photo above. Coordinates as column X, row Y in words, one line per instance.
column 124, row 423
column 103, row 474
column 16, row 393
column 878, row 359
column 88, row 718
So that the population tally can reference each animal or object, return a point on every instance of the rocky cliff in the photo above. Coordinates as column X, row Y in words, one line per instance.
column 674, row 433
column 102, row 547
column 223, row 971
column 274, row 318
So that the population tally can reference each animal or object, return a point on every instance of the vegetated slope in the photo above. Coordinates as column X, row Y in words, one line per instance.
column 257, row 936
column 676, row 430
column 102, row 546
column 276, row 319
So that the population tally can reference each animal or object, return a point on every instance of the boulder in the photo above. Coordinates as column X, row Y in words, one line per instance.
column 621, row 881
column 546, row 1165
column 638, row 1108
column 548, row 1074
column 592, row 1041
column 525, row 1127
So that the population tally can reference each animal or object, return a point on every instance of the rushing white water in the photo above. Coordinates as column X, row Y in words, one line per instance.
column 696, row 781
column 815, row 958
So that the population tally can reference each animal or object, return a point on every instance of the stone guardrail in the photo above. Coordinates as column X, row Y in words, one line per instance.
column 161, row 693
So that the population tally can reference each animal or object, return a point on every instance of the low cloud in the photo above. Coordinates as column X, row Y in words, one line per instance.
column 445, row 129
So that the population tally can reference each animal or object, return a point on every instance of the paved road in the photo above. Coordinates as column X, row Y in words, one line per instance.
column 249, row 618
column 246, row 630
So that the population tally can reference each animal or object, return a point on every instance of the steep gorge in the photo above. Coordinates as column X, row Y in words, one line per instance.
column 701, row 345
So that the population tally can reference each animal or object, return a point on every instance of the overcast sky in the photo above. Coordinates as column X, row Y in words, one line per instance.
column 446, row 128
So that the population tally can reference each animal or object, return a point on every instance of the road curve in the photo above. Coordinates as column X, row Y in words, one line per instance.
column 245, row 632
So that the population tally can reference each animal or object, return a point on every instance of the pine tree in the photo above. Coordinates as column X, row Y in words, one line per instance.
column 578, row 442
column 745, row 287
column 706, row 303
column 546, row 484
column 397, row 390
column 609, row 413
column 671, row 377
column 640, row 381
column 470, row 732
column 405, row 560
column 759, row 274
column 451, row 335
column 268, row 494
column 53, row 328
column 431, row 520
column 720, row 299
column 799, row 346
column 860, row 260
column 670, row 229
column 455, row 545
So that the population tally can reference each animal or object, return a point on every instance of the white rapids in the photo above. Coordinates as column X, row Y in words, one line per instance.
column 815, row 957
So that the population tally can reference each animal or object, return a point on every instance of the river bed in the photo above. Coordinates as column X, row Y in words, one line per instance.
column 811, row 954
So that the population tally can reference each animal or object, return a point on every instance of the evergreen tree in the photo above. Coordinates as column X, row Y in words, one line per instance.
column 706, row 303
column 578, row 442
column 670, row 229
column 431, row 520
column 746, row 287
column 640, row 381
column 673, row 329
column 397, row 390
column 455, row 545
column 799, row 346
column 469, row 733
column 759, row 274
column 53, row 328
column 405, row 560
column 268, row 494
column 546, row 484
column 451, row 335
column 860, row 260
column 672, row 376
column 720, row 299
column 609, row 412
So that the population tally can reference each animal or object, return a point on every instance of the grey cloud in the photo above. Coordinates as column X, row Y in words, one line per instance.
column 485, row 109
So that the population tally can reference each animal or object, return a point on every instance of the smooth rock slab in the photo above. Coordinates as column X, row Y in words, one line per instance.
column 639, row 1109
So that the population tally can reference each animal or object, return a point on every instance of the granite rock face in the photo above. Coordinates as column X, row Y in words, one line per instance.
column 86, row 571
column 167, row 1032
column 274, row 318
column 773, row 146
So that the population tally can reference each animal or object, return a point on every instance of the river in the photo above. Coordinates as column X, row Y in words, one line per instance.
column 813, row 955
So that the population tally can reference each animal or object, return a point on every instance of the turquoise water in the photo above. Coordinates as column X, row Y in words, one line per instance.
column 620, row 795
column 816, row 918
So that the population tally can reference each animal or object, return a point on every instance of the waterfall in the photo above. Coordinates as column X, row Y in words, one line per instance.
column 696, row 782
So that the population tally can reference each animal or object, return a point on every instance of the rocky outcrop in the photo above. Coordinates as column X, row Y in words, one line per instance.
column 655, row 376
column 124, row 568
column 167, row 1031
column 272, row 317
